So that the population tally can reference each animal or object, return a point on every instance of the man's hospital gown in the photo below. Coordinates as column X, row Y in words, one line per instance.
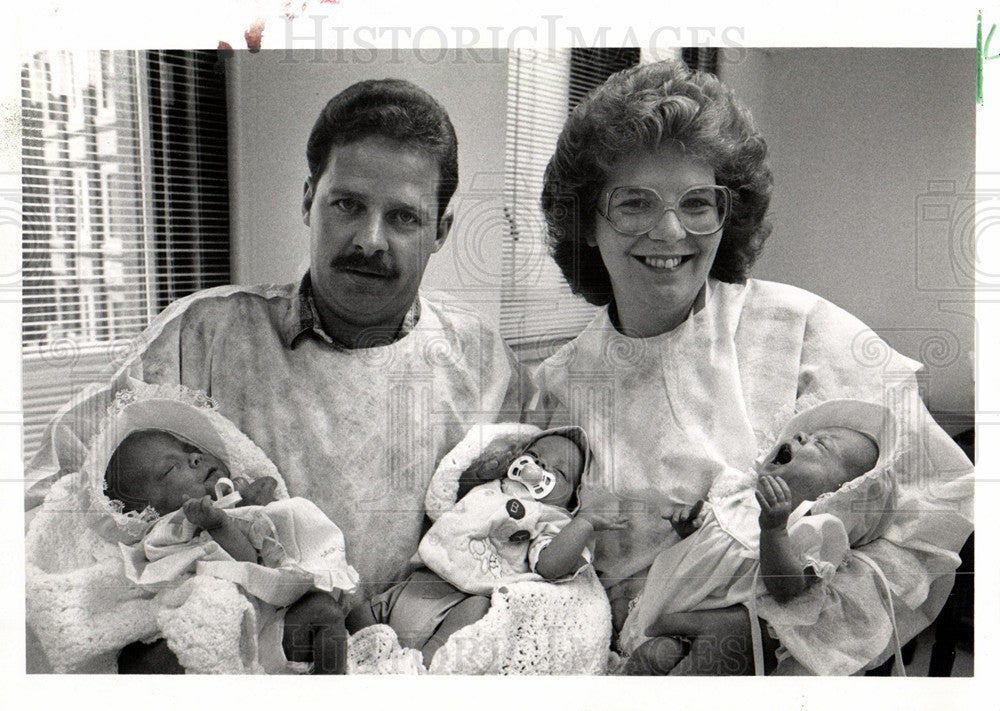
column 358, row 432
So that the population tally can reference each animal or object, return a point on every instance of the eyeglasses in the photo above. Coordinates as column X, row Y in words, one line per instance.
column 701, row 210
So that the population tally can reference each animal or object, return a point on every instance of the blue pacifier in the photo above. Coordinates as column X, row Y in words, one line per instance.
column 525, row 470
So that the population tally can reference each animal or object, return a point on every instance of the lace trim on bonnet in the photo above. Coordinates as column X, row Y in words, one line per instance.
column 189, row 414
column 866, row 503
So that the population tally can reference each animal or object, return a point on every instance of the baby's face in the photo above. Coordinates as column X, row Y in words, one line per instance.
column 166, row 472
column 815, row 463
column 563, row 458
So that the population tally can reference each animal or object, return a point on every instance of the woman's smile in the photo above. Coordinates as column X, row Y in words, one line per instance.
column 663, row 264
column 657, row 276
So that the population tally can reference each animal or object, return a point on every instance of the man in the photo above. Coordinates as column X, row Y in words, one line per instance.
column 353, row 384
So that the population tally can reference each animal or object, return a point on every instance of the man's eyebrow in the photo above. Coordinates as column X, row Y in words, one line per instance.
column 346, row 192
column 421, row 207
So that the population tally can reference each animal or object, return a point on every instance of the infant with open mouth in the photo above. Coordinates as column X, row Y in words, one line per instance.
column 827, row 486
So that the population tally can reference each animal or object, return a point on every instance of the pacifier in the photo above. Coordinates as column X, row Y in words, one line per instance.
column 226, row 495
column 525, row 470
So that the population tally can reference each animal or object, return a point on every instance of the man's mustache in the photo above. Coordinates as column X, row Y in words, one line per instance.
column 377, row 264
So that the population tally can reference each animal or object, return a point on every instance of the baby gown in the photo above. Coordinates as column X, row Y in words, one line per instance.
column 827, row 632
column 715, row 566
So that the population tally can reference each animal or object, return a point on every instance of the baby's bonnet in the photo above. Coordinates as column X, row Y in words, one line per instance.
column 443, row 489
column 864, row 504
column 187, row 414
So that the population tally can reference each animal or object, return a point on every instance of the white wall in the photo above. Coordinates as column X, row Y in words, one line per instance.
column 273, row 104
column 856, row 138
column 859, row 140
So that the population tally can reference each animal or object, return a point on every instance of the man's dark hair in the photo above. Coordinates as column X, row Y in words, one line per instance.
column 388, row 108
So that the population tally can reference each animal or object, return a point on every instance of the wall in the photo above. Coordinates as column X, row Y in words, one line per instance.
column 873, row 159
column 273, row 104
column 860, row 141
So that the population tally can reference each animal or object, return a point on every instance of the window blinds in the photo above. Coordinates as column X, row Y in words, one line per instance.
column 538, row 312
column 124, row 207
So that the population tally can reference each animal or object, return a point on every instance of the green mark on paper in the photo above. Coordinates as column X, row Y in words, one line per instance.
column 982, row 54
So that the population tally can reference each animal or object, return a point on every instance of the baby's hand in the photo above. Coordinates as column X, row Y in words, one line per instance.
column 203, row 514
column 258, row 492
column 687, row 520
column 604, row 521
column 601, row 510
column 775, row 501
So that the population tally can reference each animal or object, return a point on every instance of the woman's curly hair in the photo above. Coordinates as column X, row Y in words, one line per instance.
column 636, row 111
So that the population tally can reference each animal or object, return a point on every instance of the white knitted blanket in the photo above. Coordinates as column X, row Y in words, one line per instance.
column 532, row 627
column 83, row 609
column 80, row 605
column 535, row 628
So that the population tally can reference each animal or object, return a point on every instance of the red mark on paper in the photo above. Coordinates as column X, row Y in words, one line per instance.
column 254, row 35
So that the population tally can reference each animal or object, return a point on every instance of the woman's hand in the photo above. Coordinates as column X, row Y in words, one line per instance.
column 775, row 499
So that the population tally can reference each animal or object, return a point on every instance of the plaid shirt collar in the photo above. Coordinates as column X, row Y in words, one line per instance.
column 303, row 318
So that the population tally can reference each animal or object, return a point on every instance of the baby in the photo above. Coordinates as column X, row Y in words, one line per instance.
column 154, row 469
column 512, row 521
column 818, row 492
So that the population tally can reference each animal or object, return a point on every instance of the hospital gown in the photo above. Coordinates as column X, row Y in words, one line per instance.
column 358, row 432
column 666, row 415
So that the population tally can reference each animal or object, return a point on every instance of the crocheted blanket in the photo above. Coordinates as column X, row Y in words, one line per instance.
column 82, row 608
column 532, row 627
column 535, row 628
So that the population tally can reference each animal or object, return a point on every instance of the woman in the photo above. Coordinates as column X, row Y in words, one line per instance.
column 655, row 201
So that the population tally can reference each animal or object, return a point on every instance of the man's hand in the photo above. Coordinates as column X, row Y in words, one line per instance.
column 203, row 514
column 687, row 520
column 775, row 499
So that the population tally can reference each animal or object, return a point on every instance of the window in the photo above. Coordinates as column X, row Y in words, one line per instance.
column 124, row 207
column 538, row 312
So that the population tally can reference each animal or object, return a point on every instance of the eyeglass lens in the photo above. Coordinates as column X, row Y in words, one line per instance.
column 636, row 210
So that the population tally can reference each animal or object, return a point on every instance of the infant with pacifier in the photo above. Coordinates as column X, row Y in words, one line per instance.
column 517, row 518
